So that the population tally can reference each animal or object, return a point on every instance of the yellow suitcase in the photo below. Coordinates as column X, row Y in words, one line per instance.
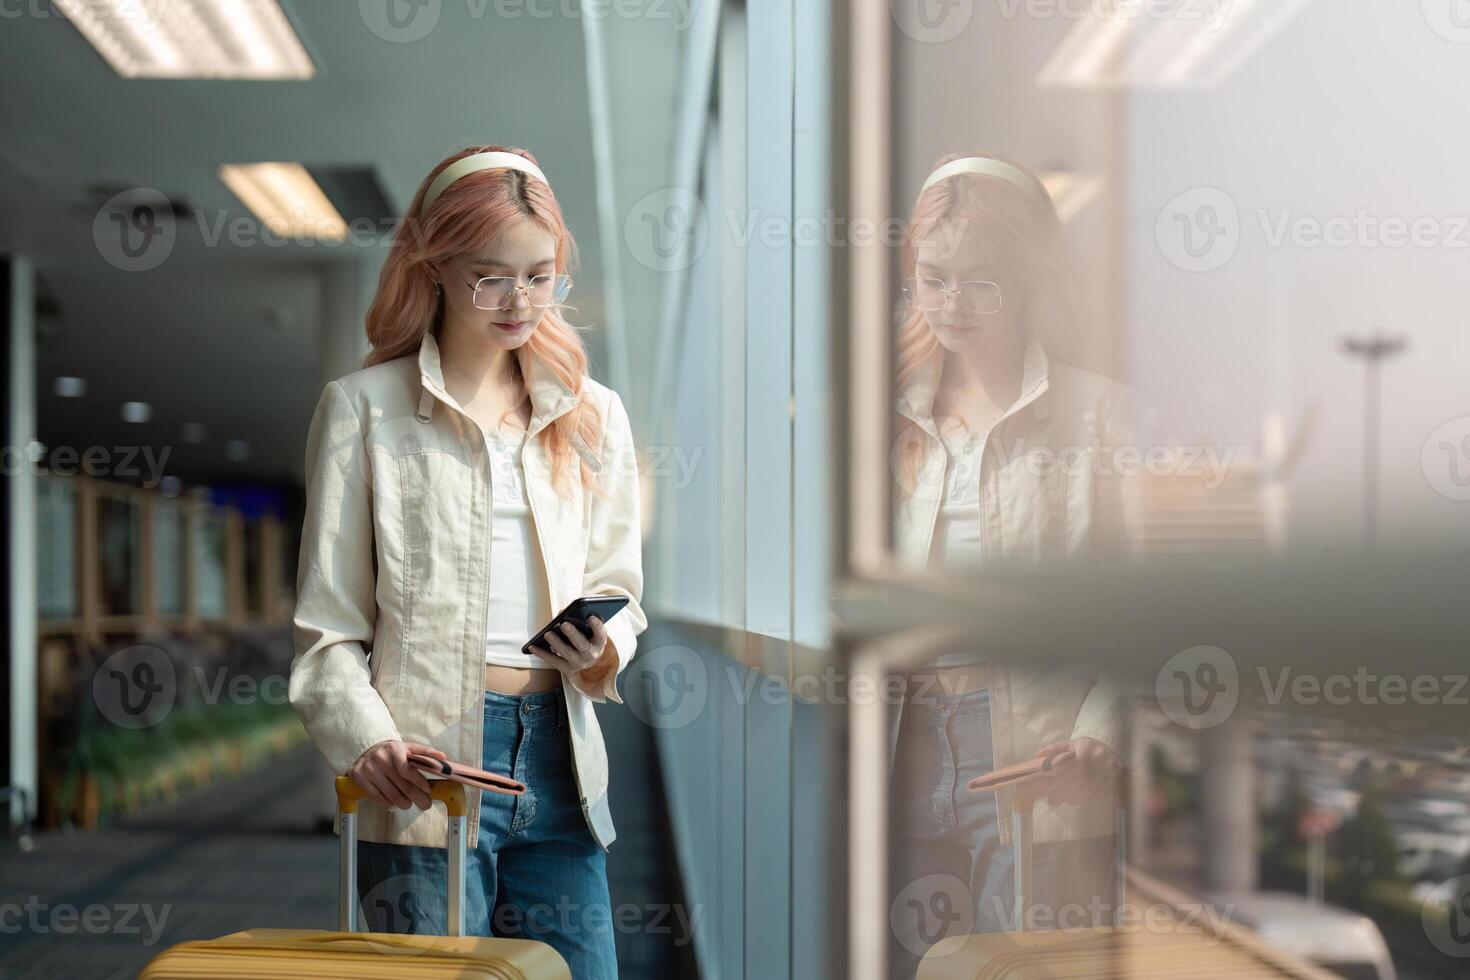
column 1108, row 954
column 1164, row 950
column 319, row 955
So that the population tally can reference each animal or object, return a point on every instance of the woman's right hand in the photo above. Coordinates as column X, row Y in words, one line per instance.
column 387, row 777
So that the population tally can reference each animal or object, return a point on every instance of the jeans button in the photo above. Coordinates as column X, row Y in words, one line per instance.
column 525, row 708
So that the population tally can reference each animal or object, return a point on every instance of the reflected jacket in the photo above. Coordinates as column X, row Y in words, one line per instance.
column 1048, row 492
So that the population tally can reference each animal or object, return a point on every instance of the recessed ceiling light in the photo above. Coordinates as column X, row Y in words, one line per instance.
column 192, row 38
column 193, row 432
column 136, row 411
column 1190, row 45
column 69, row 387
column 285, row 199
column 237, row 450
column 1071, row 192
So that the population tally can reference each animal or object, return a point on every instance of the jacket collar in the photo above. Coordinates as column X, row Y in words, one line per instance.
column 916, row 400
column 550, row 396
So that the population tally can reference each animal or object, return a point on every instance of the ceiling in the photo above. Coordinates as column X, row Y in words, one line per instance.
column 225, row 330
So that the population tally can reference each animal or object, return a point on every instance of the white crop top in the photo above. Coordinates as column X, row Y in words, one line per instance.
column 957, row 531
column 519, row 604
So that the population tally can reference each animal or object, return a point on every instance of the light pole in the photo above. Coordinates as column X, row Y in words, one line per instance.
column 1373, row 350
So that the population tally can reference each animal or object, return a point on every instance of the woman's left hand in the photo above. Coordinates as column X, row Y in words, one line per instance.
column 573, row 651
column 1078, row 779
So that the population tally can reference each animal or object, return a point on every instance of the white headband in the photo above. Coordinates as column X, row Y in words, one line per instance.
column 489, row 160
column 991, row 167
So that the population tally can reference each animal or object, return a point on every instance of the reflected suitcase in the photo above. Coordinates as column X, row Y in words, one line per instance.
column 310, row 953
column 1081, row 953
column 1120, row 951
column 1107, row 954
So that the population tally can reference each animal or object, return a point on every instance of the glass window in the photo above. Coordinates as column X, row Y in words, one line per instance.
column 171, row 561
column 56, row 548
column 211, row 592
column 1172, row 363
column 120, row 551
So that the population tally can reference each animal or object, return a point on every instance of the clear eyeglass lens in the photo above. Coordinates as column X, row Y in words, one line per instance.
column 974, row 296
column 498, row 292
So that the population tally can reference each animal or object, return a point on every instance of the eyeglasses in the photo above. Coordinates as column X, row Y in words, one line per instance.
column 973, row 295
column 498, row 292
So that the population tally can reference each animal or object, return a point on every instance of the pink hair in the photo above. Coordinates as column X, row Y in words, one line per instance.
column 1026, row 230
column 470, row 214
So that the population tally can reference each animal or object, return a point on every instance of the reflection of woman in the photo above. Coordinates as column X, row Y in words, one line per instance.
column 999, row 460
column 466, row 484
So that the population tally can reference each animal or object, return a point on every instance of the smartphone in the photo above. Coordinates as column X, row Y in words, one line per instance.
column 578, row 612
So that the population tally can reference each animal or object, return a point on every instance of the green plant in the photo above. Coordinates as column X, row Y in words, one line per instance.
column 134, row 766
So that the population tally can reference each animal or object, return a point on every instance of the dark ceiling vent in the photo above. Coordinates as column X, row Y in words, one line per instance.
column 125, row 196
column 354, row 191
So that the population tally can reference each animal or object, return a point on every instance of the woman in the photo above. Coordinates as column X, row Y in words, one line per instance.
column 463, row 487
column 1000, row 459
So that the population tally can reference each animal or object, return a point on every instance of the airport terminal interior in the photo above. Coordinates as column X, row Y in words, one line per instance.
column 1028, row 442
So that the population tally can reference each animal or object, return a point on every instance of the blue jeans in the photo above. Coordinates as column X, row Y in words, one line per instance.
column 535, row 872
column 950, row 873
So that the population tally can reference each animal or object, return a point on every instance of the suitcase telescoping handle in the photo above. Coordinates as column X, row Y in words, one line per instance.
column 1022, row 861
column 449, row 793
column 1023, row 840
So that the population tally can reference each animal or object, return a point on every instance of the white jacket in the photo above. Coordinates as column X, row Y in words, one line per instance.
column 395, row 564
column 1049, row 491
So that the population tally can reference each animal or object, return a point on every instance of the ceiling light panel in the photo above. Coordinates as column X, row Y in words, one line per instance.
column 1180, row 44
column 285, row 199
column 245, row 39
